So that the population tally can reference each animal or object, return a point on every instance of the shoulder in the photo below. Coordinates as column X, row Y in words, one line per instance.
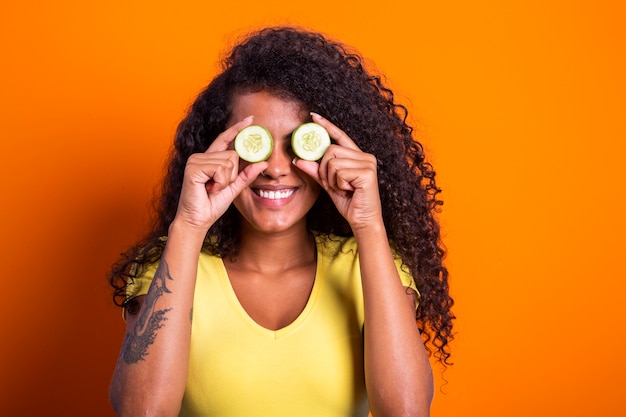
column 344, row 246
column 140, row 284
column 333, row 244
column 343, row 253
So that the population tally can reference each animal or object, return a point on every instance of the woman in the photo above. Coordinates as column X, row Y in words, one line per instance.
column 287, row 287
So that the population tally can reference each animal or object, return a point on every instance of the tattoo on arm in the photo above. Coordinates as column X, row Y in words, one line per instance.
column 136, row 343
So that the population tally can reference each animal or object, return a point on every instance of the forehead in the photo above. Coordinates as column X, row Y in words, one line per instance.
column 273, row 112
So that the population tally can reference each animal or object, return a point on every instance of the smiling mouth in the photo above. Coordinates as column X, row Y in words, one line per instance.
column 274, row 195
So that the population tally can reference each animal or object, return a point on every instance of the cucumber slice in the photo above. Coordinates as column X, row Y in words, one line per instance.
column 254, row 143
column 310, row 141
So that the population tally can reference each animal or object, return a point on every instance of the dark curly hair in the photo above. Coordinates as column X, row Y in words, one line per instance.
column 329, row 79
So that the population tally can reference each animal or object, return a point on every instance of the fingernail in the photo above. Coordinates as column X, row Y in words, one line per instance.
column 294, row 160
column 313, row 114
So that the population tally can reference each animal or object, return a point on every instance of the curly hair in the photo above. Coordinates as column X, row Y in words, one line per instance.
column 330, row 79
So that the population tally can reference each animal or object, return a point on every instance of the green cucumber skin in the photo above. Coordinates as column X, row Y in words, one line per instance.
column 300, row 149
column 266, row 144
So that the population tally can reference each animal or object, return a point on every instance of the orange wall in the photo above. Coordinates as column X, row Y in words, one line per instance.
column 523, row 108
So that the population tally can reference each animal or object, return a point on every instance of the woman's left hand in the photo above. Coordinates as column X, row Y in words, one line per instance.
column 348, row 175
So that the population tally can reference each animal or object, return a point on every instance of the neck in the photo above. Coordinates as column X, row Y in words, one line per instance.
column 275, row 251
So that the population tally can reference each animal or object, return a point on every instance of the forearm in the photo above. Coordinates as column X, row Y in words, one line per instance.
column 397, row 370
column 151, row 371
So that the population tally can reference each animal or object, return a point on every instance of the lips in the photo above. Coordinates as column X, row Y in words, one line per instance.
column 274, row 194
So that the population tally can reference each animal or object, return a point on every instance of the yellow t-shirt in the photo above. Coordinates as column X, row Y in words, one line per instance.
column 312, row 367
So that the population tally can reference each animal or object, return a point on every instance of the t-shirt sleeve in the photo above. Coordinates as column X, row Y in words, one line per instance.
column 348, row 246
column 140, row 285
column 406, row 277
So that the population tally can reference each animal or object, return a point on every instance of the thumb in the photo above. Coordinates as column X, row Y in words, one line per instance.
column 310, row 168
column 247, row 176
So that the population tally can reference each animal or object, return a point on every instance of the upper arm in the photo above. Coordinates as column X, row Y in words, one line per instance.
column 411, row 297
column 131, row 314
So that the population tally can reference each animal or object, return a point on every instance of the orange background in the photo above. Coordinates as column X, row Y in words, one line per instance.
column 522, row 106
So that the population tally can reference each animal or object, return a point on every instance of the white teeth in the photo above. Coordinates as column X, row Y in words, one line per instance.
column 275, row 195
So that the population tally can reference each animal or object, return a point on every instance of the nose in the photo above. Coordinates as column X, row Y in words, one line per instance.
column 279, row 162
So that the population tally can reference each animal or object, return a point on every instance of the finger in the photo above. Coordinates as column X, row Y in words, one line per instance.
column 340, row 171
column 223, row 141
column 351, row 179
column 224, row 164
column 333, row 160
column 211, row 170
column 338, row 179
column 247, row 176
column 222, row 177
column 338, row 135
column 311, row 168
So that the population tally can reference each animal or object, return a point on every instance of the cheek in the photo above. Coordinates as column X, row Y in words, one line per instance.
column 243, row 197
column 243, row 164
column 315, row 190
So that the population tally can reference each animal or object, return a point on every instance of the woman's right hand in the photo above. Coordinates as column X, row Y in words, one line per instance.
column 213, row 180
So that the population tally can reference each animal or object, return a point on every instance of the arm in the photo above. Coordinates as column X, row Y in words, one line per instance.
column 151, row 371
column 397, row 370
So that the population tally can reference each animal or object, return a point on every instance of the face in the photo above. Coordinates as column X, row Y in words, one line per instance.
column 279, row 200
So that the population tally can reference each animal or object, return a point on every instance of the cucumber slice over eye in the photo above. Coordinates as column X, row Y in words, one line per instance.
column 310, row 141
column 254, row 143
